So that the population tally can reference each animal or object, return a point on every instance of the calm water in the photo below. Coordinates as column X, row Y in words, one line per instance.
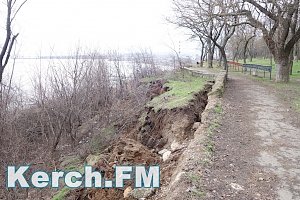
column 24, row 71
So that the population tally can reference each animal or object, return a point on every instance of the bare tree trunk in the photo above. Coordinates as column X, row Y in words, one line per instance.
column 291, row 61
column 10, row 38
column 220, row 59
column 224, row 58
column 250, row 51
column 250, row 55
column 282, row 63
column 235, row 54
column 271, row 60
column 210, row 52
column 245, row 49
column 202, row 56
column 202, row 59
column 1, row 75
column 296, row 52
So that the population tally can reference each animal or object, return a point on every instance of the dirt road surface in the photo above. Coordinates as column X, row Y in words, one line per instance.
column 257, row 149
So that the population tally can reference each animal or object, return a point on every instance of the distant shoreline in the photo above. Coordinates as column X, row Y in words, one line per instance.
column 58, row 57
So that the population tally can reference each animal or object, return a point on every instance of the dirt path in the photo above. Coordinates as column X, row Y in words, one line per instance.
column 257, row 149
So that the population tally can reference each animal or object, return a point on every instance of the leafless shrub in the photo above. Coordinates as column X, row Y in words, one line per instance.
column 143, row 64
column 103, row 90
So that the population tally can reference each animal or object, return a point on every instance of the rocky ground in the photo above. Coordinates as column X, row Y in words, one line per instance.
column 257, row 149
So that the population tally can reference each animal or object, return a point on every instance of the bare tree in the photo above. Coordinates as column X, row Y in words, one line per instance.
column 210, row 50
column 278, row 21
column 73, row 101
column 116, row 58
column 241, row 40
column 247, row 36
column 202, row 19
column 12, row 9
column 203, row 52
column 176, row 51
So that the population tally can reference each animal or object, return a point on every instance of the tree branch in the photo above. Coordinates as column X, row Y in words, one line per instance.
column 262, row 9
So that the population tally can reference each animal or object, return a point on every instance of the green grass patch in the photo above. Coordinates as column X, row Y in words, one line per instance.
column 261, row 61
column 198, row 193
column 183, row 87
column 194, row 178
column 165, row 75
column 297, row 104
column 212, row 127
column 61, row 195
column 149, row 79
column 196, row 182
column 209, row 147
column 218, row 109
column 289, row 92
column 73, row 166
column 70, row 162
column 267, row 62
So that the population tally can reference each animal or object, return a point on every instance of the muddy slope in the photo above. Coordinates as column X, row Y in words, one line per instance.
column 165, row 129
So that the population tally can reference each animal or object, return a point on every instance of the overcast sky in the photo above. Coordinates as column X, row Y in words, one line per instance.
column 62, row 25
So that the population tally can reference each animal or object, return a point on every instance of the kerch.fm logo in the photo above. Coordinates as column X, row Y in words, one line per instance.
column 144, row 177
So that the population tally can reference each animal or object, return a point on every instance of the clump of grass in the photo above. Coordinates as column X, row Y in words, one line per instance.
column 182, row 90
column 61, row 194
column 209, row 146
column 74, row 165
column 297, row 105
column 149, row 79
column 198, row 193
column 212, row 127
column 194, row 178
column 218, row 109
column 70, row 162
column 196, row 182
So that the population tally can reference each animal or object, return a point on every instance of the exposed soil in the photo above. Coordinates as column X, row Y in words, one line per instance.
column 124, row 152
column 165, row 126
column 257, row 149
column 140, row 145
column 157, row 88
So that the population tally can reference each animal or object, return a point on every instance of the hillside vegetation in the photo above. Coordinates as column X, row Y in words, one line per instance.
column 164, row 122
